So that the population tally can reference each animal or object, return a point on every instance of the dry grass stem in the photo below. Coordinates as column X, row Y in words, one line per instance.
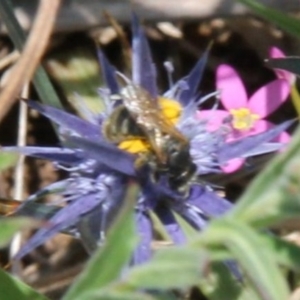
column 33, row 51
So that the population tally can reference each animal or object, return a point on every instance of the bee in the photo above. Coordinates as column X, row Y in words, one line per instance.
column 149, row 118
column 139, row 116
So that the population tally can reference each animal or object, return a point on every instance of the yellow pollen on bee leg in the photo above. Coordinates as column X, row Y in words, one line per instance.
column 171, row 109
column 243, row 119
column 134, row 146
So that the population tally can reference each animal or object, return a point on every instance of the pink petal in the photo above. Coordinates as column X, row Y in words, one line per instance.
column 284, row 137
column 214, row 118
column 233, row 93
column 269, row 97
column 263, row 125
column 233, row 165
column 275, row 52
column 260, row 126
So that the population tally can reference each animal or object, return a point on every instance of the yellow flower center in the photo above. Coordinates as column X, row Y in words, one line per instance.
column 243, row 119
column 171, row 109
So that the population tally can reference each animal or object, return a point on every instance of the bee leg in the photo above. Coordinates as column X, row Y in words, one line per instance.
column 157, row 141
column 141, row 160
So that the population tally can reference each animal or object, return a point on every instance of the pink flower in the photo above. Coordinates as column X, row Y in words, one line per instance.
column 290, row 77
column 275, row 52
column 246, row 115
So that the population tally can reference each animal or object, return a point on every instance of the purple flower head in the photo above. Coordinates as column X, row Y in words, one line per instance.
column 101, row 164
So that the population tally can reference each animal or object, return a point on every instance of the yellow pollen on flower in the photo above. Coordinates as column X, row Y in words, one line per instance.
column 171, row 109
column 243, row 119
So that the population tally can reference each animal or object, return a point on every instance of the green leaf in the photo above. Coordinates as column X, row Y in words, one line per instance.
column 219, row 284
column 11, row 288
column 7, row 160
column 286, row 253
column 291, row 64
column 289, row 24
column 216, row 253
column 45, row 88
column 76, row 70
column 258, row 264
column 111, row 294
column 9, row 226
column 171, row 268
column 274, row 195
column 107, row 263
column 158, row 227
column 188, row 230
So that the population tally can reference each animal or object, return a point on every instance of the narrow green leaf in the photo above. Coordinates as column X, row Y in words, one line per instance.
column 188, row 230
column 179, row 267
column 45, row 88
column 107, row 263
column 9, row 226
column 158, row 227
column 291, row 64
column 11, row 288
column 259, row 264
column 289, row 24
column 11, row 23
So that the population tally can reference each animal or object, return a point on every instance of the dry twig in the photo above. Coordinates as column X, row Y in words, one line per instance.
column 33, row 51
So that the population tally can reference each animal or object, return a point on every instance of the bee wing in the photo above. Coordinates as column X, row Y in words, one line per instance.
column 168, row 128
column 147, row 112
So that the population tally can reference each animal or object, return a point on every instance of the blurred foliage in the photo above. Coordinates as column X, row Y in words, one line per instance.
column 76, row 70
column 285, row 22
column 9, row 226
column 7, row 160
column 12, row 288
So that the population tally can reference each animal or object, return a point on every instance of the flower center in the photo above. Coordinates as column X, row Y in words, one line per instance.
column 243, row 119
column 171, row 109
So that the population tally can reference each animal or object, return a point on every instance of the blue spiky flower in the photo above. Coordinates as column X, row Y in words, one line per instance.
column 100, row 171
